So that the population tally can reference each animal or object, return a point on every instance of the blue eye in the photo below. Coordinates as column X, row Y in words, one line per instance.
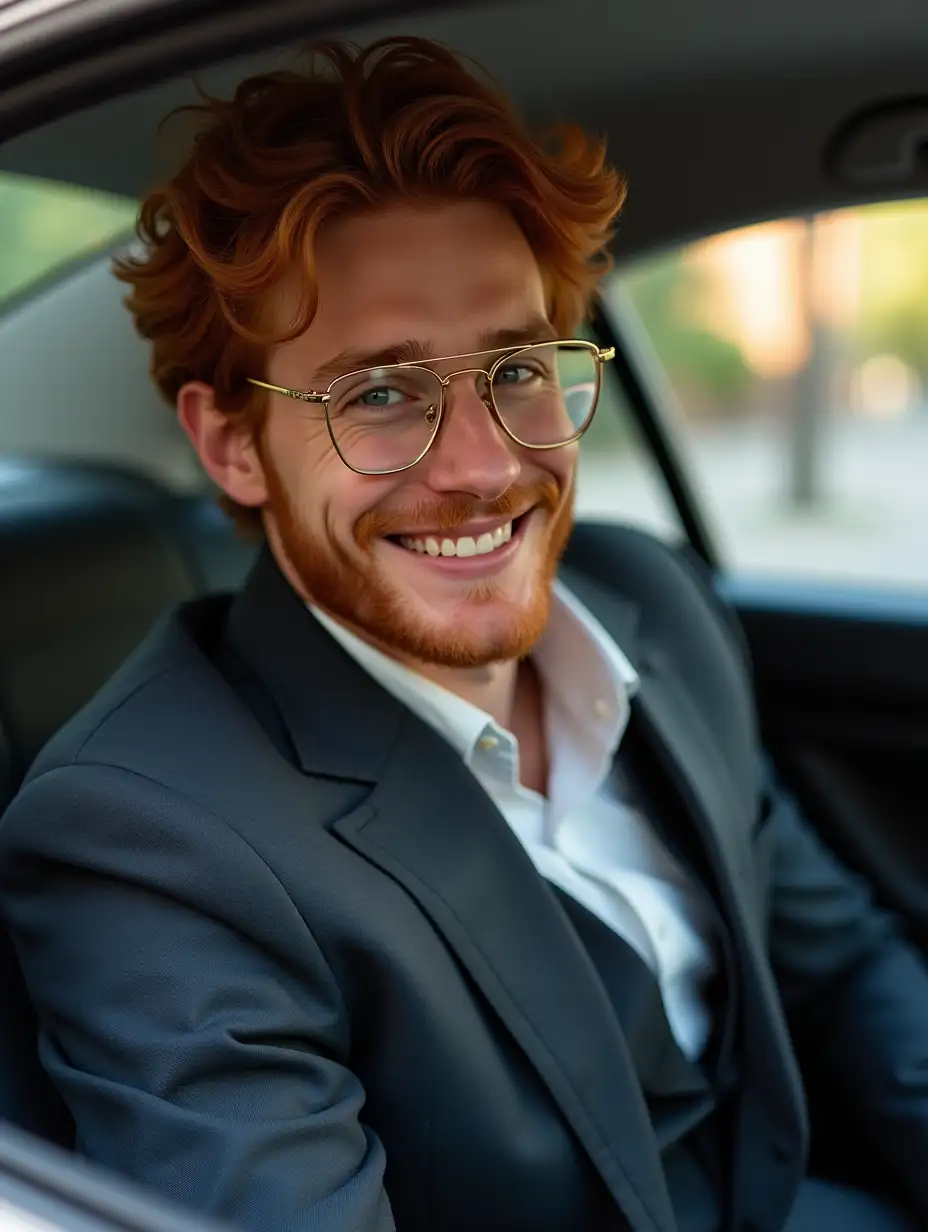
column 513, row 375
column 382, row 395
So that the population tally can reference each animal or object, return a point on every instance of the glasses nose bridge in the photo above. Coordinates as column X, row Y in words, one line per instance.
column 446, row 380
column 475, row 372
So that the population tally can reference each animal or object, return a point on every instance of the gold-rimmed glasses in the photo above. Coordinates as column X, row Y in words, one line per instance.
column 384, row 420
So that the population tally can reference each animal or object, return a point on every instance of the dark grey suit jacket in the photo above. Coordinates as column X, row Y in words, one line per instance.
column 294, row 968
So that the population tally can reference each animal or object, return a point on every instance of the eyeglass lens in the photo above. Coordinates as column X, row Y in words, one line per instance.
column 384, row 419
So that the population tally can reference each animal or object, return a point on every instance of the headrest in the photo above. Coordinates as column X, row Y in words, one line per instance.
column 87, row 564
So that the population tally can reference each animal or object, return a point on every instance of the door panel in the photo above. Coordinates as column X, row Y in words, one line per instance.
column 842, row 687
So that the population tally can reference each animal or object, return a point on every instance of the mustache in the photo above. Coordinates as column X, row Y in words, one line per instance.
column 447, row 515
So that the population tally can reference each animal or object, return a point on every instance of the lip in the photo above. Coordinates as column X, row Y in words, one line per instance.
column 470, row 566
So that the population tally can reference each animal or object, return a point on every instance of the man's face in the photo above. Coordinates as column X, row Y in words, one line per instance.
column 447, row 278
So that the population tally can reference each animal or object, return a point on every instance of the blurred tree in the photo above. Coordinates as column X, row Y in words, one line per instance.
column 707, row 370
column 811, row 384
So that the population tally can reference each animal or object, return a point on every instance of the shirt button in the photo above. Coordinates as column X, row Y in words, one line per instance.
column 485, row 743
column 601, row 708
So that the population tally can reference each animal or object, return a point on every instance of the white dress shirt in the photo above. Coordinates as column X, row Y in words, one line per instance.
column 582, row 838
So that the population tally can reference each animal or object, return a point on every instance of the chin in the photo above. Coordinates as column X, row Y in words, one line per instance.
column 474, row 631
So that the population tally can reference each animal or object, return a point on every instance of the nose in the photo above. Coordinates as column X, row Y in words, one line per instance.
column 472, row 453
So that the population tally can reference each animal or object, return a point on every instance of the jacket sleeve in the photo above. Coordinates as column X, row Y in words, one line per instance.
column 856, row 998
column 188, row 1017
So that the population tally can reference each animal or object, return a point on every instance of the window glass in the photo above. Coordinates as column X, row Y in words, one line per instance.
column 797, row 352
column 75, row 374
column 618, row 478
column 44, row 225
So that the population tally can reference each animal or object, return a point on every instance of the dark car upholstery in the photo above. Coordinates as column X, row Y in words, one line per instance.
column 90, row 557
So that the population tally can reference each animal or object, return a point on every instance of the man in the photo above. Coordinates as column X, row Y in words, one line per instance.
column 418, row 886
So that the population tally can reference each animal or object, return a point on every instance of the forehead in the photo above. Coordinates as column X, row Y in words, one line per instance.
column 444, row 273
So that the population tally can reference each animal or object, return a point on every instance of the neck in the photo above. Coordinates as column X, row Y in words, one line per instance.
column 512, row 694
column 491, row 688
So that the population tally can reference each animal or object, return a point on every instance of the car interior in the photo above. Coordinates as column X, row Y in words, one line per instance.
column 721, row 116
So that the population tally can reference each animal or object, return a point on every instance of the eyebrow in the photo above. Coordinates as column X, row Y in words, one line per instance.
column 411, row 351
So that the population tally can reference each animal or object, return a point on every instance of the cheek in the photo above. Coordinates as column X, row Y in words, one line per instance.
column 566, row 460
column 302, row 464
column 566, row 473
column 330, row 500
column 560, row 464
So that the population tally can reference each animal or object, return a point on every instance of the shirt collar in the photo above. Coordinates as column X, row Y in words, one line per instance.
column 578, row 660
column 588, row 682
column 461, row 723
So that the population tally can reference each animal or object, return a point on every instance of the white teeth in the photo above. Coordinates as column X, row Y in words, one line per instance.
column 465, row 546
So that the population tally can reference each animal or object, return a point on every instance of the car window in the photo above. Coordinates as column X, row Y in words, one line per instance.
column 618, row 478
column 75, row 374
column 797, row 355
column 44, row 225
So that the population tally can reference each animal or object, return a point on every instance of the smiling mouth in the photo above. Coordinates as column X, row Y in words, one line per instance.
column 484, row 544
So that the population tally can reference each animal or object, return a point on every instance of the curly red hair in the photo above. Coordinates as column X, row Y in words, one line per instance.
column 400, row 120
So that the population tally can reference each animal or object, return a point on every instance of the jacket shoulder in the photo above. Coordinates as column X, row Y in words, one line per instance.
column 181, row 716
column 175, row 661
column 659, row 578
column 685, row 634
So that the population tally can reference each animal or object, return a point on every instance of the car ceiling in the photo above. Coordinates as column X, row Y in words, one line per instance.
column 720, row 113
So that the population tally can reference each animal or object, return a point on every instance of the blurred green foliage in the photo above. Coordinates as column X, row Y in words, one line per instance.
column 44, row 225
column 669, row 295
column 612, row 430
column 889, row 316
column 893, row 316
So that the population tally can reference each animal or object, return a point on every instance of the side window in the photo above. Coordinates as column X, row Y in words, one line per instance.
column 44, row 225
column 617, row 478
column 74, row 379
column 797, row 352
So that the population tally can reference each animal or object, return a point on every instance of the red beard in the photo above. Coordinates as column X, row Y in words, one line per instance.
column 365, row 600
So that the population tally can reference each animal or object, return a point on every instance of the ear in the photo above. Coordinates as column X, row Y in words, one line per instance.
column 225, row 448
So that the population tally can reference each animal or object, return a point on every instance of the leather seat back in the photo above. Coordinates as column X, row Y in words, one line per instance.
column 86, row 565
column 88, row 561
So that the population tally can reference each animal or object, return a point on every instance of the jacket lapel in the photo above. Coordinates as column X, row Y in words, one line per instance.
column 683, row 744
column 662, row 1069
column 697, row 769
column 429, row 825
